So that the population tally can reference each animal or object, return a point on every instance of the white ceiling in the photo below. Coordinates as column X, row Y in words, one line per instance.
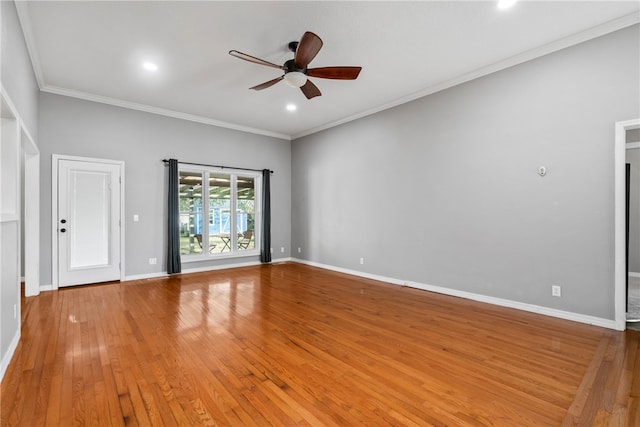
column 94, row 50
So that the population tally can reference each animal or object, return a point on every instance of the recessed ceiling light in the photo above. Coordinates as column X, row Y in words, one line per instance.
column 150, row 66
column 506, row 4
column 291, row 107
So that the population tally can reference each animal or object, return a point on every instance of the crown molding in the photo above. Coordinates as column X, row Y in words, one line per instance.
column 160, row 111
column 591, row 33
column 22, row 7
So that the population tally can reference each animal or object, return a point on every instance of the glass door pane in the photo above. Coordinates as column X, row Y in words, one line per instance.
column 191, row 225
column 219, row 212
column 246, row 212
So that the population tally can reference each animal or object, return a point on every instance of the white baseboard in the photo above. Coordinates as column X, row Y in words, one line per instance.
column 185, row 271
column 632, row 274
column 561, row 314
column 221, row 267
column 567, row 315
column 144, row 276
column 352, row 272
column 194, row 270
column 6, row 358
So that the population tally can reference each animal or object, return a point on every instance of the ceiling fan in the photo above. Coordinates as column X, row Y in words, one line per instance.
column 295, row 70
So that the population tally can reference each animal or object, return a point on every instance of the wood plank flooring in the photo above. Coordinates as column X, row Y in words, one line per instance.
column 293, row 345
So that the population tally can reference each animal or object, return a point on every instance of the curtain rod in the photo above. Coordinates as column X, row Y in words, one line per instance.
column 218, row 166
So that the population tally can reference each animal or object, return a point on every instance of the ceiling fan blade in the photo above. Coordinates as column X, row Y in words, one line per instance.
column 253, row 59
column 310, row 90
column 308, row 48
column 267, row 84
column 338, row 73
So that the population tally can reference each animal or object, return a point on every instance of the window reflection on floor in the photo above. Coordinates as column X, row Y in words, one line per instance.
column 212, row 306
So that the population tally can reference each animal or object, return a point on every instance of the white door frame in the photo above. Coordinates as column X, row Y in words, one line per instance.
column 620, row 249
column 54, row 211
column 31, row 215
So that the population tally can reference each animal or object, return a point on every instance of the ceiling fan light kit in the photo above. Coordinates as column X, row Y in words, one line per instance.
column 295, row 79
column 295, row 70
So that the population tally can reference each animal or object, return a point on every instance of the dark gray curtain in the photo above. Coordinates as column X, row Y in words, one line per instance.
column 265, row 239
column 173, row 225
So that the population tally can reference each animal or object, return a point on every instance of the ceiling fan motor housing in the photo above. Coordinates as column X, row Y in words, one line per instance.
column 290, row 66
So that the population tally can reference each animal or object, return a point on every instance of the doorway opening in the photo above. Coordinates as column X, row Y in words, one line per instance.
column 623, row 131
column 632, row 181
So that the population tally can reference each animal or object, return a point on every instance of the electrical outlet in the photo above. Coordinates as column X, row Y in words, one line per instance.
column 299, row 250
column 361, row 261
column 556, row 291
column 282, row 249
column 153, row 261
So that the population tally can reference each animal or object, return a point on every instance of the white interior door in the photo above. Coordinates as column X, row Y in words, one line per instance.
column 88, row 225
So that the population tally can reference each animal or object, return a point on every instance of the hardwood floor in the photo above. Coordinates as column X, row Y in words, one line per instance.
column 289, row 344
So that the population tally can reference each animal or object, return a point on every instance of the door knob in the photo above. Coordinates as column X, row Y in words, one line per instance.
column 62, row 230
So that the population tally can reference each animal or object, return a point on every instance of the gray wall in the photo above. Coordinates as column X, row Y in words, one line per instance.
column 633, row 158
column 444, row 190
column 20, row 84
column 75, row 127
column 17, row 74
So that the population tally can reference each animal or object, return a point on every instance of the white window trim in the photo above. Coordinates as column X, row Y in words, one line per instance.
column 234, row 173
